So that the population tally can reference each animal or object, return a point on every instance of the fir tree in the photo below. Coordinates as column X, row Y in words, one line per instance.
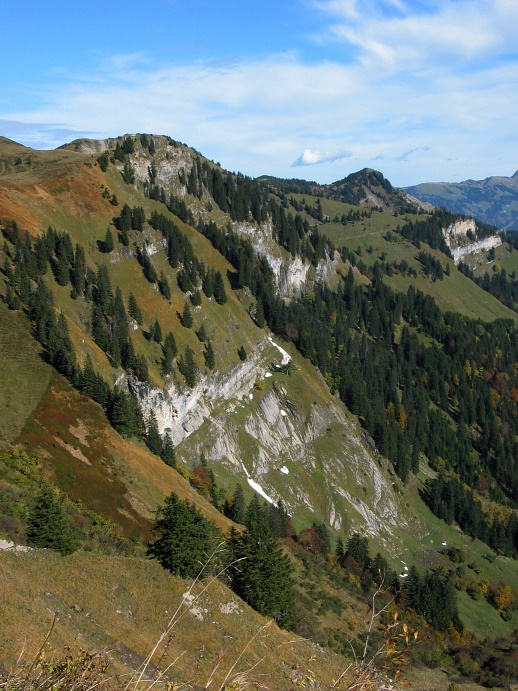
column 219, row 289
column 134, row 309
column 184, row 539
column 47, row 524
column 187, row 367
column 208, row 354
column 107, row 245
column 263, row 577
column 168, row 454
column 153, row 439
column 186, row 318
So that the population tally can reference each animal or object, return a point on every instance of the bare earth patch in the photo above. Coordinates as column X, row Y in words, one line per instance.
column 80, row 432
column 76, row 453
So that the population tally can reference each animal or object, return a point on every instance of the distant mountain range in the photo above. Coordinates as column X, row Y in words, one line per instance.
column 493, row 200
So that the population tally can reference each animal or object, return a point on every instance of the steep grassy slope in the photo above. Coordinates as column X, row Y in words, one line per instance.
column 238, row 412
column 124, row 606
column 25, row 376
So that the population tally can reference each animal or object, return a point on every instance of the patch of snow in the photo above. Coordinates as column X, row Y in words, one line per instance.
column 250, row 396
column 403, row 575
column 255, row 485
column 285, row 470
column 259, row 490
column 285, row 357
column 268, row 374
column 283, row 413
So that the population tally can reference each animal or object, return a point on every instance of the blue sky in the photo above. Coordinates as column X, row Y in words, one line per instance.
column 422, row 90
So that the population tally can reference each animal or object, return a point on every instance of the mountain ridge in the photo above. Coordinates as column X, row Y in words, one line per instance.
column 493, row 200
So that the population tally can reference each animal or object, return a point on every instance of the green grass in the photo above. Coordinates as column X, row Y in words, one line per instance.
column 455, row 292
column 25, row 376
column 482, row 618
column 377, row 224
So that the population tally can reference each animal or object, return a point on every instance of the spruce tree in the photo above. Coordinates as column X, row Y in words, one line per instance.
column 187, row 367
column 184, row 539
column 202, row 334
column 208, row 283
column 170, row 351
column 134, row 309
column 208, row 354
column 237, row 507
column 168, row 454
column 263, row 577
column 153, row 438
column 47, row 524
column 219, row 289
column 186, row 318
column 108, row 244
column 156, row 332
column 196, row 298
column 163, row 286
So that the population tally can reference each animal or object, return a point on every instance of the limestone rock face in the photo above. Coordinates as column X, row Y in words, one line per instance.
column 456, row 237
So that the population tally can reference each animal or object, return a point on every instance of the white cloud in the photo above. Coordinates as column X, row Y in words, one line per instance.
column 414, row 38
column 312, row 158
column 440, row 80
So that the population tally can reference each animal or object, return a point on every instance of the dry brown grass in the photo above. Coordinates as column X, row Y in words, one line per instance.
column 123, row 481
column 124, row 609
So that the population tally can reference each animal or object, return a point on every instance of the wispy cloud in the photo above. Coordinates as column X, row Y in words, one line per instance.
column 406, row 154
column 313, row 158
column 437, row 77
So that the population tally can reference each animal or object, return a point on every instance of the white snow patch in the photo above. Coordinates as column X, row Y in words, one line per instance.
column 403, row 575
column 268, row 374
column 283, row 413
column 254, row 485
column 285, row 470
column 285, row 357
column 250, row 396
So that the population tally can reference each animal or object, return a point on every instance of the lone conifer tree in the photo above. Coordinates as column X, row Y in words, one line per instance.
column 184, row 538
column 210, row 360
column 186, row 316
column 47, row 525
column 219, row 289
